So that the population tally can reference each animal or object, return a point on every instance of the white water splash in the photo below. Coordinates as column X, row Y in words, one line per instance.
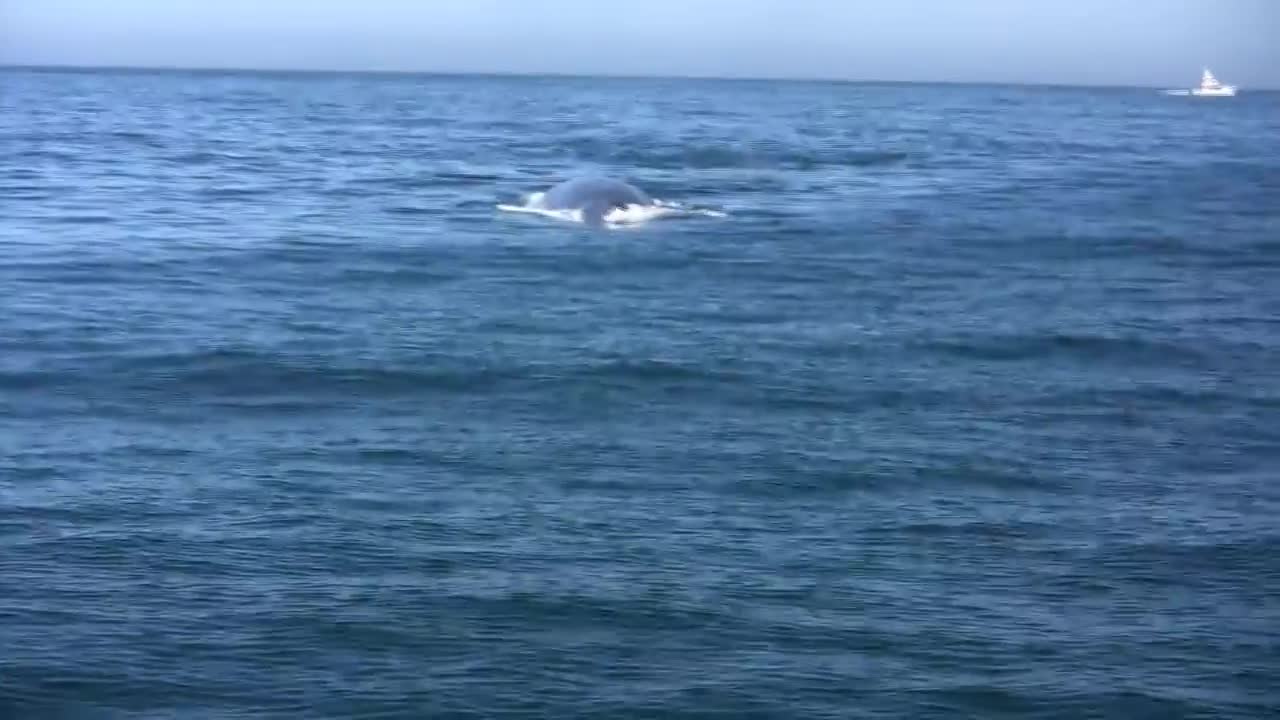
column 618, row 217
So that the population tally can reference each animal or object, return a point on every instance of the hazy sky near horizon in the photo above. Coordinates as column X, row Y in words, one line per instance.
column 1130, row 42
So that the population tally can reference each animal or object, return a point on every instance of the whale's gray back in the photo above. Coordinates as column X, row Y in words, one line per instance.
column 594, row 196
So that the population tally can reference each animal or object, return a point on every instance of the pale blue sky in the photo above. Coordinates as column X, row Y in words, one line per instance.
column 1140, row 42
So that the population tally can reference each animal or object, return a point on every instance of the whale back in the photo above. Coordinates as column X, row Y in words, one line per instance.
column 594, row 196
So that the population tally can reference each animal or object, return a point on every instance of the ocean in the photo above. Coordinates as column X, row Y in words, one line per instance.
column 958, row 401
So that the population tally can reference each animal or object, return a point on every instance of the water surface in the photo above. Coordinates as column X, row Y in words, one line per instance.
column 968, row 408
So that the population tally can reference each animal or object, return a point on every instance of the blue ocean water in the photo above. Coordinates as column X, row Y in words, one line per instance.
column 968, row 407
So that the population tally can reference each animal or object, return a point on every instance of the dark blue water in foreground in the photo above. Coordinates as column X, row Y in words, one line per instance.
column 969, row 408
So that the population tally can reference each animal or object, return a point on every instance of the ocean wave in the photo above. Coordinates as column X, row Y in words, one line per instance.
column 283, row 381
column 654, row 370
column 1030, row 346
column 234, row 373
column 720, row 157
column 1121, row 402
column 76, row 219
column 239, row 374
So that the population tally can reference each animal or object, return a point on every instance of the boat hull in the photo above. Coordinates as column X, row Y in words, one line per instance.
column 1215, row 92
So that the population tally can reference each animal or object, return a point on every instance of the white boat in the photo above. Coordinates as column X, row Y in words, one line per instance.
column 1210, row 87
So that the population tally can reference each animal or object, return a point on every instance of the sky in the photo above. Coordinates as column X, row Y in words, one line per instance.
column 1162, row 43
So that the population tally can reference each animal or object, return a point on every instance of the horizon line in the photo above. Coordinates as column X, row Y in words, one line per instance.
column 230, row 69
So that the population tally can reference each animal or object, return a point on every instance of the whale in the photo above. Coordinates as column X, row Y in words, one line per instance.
column 593, row 196
column 600, row 200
